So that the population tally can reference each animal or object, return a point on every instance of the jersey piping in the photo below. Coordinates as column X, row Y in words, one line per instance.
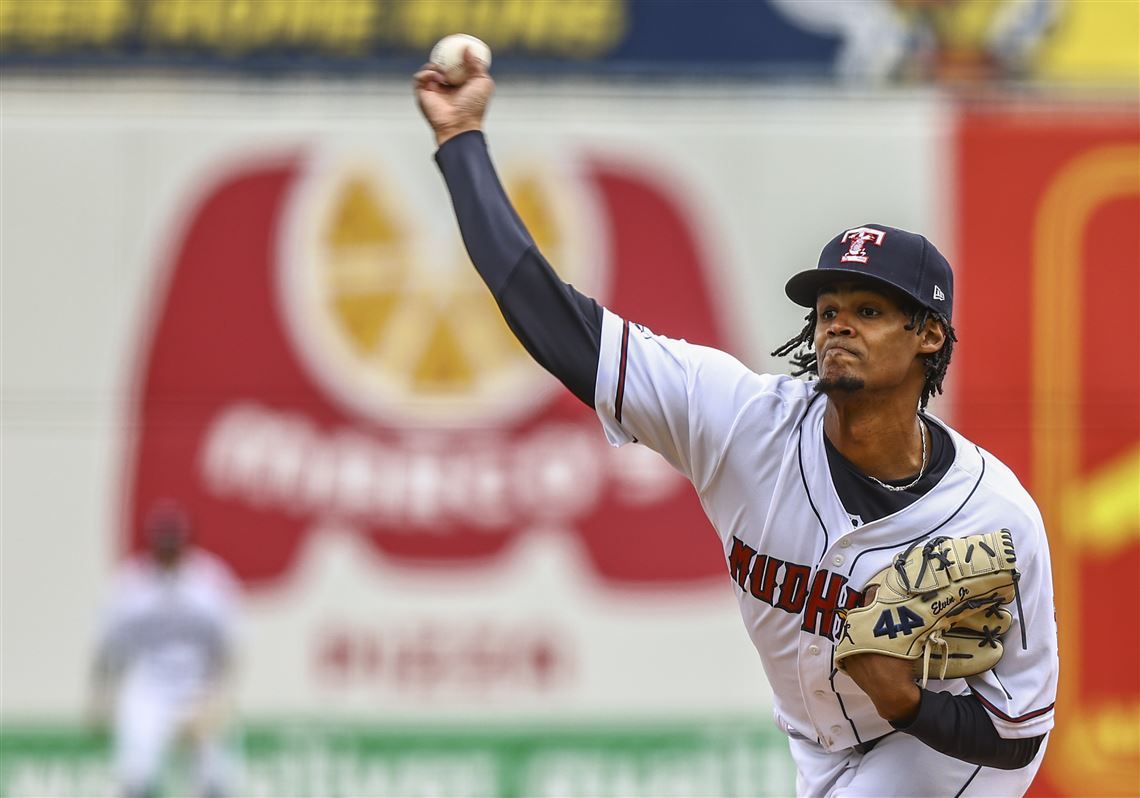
column 1034, row 713
column 619, row 394
column 967, row 784
column 839, row 698
column 807, row 490
column 945, row 521
column 1001, row 684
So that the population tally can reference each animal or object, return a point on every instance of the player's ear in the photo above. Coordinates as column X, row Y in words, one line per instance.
column 932, row 337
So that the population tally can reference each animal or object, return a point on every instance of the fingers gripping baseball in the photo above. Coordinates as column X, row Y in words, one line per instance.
column 449, row 109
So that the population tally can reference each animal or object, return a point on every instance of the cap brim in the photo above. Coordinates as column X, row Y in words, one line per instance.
column 804, row 287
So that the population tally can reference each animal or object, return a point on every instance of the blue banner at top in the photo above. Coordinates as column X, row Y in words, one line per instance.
column 381, row 35
column 777, row 38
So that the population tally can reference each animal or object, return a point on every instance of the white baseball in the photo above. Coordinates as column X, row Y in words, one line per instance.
column 448, row 55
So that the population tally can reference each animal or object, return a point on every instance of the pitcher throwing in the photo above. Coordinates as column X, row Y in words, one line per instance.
column 822, row 491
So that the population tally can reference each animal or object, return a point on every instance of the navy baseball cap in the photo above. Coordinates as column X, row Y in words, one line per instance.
column 899, row 258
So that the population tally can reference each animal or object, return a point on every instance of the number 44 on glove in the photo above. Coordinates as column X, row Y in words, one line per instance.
column 939, row 601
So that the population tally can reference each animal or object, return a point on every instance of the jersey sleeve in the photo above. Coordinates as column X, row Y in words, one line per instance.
column 1019, row 693
column 679, row 399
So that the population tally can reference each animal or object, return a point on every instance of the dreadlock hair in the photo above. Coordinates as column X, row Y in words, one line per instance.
column 805, row 360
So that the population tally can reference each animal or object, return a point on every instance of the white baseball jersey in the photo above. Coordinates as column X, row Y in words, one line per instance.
column 171, row 630
column 753, row 447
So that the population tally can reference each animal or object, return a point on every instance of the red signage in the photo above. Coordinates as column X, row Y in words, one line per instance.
column 308, row 368
column 1049, row 380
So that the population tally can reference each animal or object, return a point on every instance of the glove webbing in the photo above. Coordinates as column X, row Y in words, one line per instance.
column 929, row 553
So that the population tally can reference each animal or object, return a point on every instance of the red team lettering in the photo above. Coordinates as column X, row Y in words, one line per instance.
column 763, row 582
column 827, row 594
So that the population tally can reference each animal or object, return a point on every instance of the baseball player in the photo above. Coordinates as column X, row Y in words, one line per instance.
column 813, row 485
column 163, row 658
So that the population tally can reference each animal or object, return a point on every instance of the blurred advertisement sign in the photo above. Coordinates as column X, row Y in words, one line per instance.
column 943, row 40
column 326, row 761
column 360, row 34
column 311, row 364
column 1049, row 244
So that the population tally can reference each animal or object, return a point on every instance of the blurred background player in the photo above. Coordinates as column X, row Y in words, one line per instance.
column 165, row 657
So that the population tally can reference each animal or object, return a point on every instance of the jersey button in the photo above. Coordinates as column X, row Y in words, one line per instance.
column 836, row 729
column 837, row 559
column 813, row 650
column 845, row 542
column 820, row 694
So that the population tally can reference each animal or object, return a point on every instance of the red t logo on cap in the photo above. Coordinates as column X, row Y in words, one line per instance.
column 856, row 241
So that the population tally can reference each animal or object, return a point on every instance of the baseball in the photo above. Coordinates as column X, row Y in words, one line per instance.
column 448, row 55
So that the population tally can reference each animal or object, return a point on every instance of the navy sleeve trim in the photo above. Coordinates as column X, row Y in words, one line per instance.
column 1035, row 713
column 620, row 395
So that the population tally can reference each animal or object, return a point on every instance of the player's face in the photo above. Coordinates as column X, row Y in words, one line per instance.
column 862, row 343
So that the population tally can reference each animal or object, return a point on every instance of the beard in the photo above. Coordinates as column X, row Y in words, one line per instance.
column 829, row 385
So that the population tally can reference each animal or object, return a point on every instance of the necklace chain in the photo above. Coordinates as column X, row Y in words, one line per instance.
column 921, row 470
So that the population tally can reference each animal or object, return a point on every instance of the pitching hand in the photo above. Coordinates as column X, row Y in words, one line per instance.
column 451, row 110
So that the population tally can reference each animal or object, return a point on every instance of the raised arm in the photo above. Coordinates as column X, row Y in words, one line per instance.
column 639, row 383
column 558, row 326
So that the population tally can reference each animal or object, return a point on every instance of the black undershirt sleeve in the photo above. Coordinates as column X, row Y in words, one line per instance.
column 560, row 327
column 959, row 726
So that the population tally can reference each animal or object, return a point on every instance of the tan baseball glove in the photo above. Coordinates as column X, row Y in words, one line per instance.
column 938, row 601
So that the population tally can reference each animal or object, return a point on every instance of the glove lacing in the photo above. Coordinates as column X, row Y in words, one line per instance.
column 935, row 639
column 930, row 552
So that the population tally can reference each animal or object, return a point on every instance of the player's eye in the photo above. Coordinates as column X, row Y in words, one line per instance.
column 868, row 312
column 827, row 314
